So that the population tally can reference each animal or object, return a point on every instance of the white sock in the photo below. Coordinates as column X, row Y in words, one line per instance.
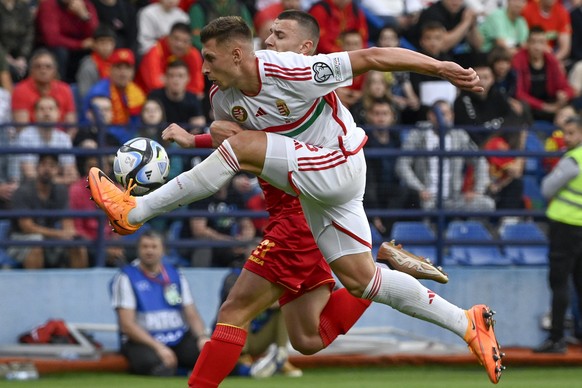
column 200, row 182
column 406, row 294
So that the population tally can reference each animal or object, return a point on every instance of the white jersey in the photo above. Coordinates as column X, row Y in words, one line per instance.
column 296, row 99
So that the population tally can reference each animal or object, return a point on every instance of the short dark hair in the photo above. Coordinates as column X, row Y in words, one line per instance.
column 432, row 25
column 226, row 28
column 44, row 156
column 536, row 30
column 104, row 31
column 177, row 63
column 498, row 53
column 305, row 20
column 181, row 26
column 151, row 234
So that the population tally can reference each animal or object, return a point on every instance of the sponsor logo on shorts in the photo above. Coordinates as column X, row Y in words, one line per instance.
column 257, row 260
column 239, row 113
column 322, row 72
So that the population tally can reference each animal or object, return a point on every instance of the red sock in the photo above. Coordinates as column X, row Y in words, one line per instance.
column 339, row 314
column 218, row 357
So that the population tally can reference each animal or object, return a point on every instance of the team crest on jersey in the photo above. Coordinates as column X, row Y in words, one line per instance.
column 239, row 113
column 322, row 72
column 283, row 108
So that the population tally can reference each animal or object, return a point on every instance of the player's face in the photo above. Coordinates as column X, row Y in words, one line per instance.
column 150, row 251
column 179, row 43
column 572, row 135
column 286, row 36
column 218, row 63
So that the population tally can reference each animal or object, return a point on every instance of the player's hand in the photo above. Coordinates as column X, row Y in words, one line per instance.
column 167, row 356
column 178, row 135
column 220, row 130
column 466, row 79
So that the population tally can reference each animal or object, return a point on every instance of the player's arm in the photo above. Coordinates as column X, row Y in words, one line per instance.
column 219, row 131
column 399, row 59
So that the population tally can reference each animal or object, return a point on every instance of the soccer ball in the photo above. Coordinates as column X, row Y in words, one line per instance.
column 143, row 160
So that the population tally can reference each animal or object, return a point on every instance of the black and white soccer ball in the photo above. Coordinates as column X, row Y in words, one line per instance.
column 143, row 160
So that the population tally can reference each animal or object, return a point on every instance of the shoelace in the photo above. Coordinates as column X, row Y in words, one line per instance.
column 127, row 192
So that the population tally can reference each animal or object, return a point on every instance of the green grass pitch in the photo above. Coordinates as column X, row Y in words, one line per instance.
column 376, row 377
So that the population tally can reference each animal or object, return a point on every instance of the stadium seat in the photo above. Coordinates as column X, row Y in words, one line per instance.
column 533, row 165
column 533, row 193
column 403, row 231
column 412, row 231
column 5, row 260
column 525, row 254
column 473, row 254
column 172, row 256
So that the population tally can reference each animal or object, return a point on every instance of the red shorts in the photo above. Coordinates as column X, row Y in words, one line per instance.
column 288, row 256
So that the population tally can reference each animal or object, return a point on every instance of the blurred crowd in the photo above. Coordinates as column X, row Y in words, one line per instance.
column 96, row 73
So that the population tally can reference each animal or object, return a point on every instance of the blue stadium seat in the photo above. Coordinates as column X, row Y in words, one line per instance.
column 533, row 192
column 415, row 231
column 525, row 254
column 172, row 256
column 5, row 260
column 412, row 230
column 473, row 254
column 533, row 165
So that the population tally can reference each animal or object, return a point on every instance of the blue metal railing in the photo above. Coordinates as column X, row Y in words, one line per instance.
column 438, row 216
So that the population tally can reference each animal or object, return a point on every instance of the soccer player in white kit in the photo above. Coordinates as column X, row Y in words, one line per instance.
column 303, row 141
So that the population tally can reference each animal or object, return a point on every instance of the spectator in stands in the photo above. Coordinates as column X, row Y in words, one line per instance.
column 177, row 45
column 553, row 18
column 462, row 36
column 41, row 194
column 383, row 190
column 221, row 226
column 98, row 128
column 506, row 172
column 46, row 134
column 351, row 40
column 427, row 88
column 181, row 106
column 576, row 20
column 335, row 17
column 264, row 18
column 555, row 142
column 505, row 27
column 395, row 14
column 16, row 36
column 121, row 17
column 375, row 87
column 153, row 120
column 204, row 11
column 8, row 180
column 161, row 329
column 505, row 77
column 126, row 96
column 43, row 81
column 422, row 173
column 489, row 109
column 562, row 189
column 541, row 82
column 403, row 95
column 66, row 28
column 155, row 21
column 85, row 227
column 96, row 65
column 5, row 77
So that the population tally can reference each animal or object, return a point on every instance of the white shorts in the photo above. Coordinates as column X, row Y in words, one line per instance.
column 330, row 187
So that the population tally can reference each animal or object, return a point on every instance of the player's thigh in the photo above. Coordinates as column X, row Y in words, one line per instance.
column 321, row 174
column 250, row 295
column 302, row 314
